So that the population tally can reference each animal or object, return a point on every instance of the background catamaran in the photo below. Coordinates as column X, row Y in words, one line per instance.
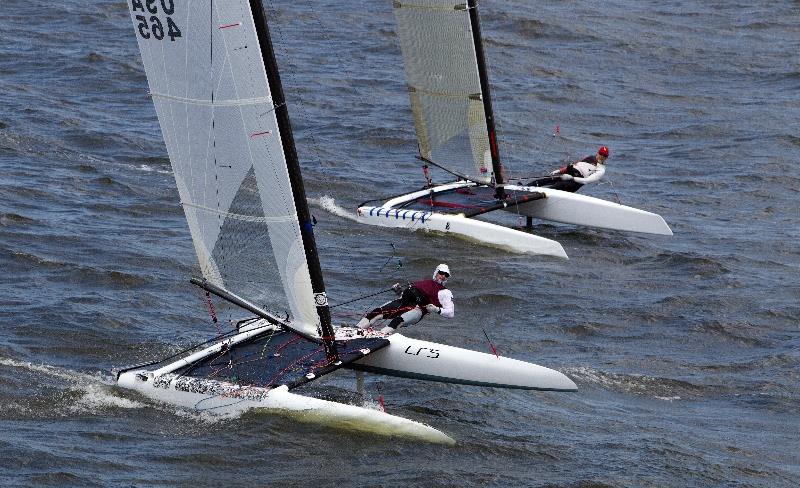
column 450, row 100
column 217, row 93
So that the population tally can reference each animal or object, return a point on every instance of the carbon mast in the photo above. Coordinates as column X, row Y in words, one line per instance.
column 486, row 98
column 295, row 178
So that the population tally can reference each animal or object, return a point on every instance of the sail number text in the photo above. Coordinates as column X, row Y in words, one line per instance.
column 149, row 24
column 432, row 353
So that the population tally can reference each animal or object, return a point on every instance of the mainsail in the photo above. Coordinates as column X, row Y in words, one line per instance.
column 224, row 123
column 448, row 86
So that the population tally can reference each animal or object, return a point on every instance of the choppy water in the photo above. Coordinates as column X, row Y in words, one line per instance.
column 685, row 349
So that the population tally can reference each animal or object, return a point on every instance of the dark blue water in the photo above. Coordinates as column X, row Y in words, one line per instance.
column 686, row 349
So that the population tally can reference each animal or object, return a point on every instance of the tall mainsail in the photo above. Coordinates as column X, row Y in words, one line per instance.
column 448, row 86
column 216, row 91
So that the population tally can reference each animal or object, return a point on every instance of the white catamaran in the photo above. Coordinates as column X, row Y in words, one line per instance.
column 450, row 100
column 217, row 93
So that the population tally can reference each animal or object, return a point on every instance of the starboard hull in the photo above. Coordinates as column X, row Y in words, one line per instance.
column 573, row 208
column 413, row 358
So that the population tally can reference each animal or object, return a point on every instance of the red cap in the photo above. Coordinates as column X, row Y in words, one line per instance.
column 603, row 151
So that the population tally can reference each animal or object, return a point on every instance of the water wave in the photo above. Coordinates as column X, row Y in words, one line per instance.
column 651, row 386
column 13, row 218
column 94, row 392
column 740, row 332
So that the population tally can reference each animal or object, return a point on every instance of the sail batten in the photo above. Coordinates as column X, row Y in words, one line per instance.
column 246, row 218
column 218, row 115
column 216, row 101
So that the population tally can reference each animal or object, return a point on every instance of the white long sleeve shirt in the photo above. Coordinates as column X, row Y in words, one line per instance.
column 591, row 172
column 448, row 307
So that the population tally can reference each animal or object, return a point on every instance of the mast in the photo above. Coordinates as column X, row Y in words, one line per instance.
column 497, row 166
column 293, row 166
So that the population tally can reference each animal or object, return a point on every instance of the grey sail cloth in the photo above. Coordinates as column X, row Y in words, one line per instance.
column 444, row 86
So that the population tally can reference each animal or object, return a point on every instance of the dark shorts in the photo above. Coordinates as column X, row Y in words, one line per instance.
column 409, row 299
column 556, row 183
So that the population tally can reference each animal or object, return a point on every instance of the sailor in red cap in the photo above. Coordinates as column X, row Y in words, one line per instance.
column 573, row 176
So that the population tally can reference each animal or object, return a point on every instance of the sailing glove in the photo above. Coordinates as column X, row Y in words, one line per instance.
column 567, row 177
column 397, row 288
column 431, row 308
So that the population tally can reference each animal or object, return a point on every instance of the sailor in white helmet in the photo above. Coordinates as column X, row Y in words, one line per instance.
column 415, row 301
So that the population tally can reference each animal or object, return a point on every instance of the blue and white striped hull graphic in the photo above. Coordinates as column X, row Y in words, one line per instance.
column 473, row 229
column 397, row 213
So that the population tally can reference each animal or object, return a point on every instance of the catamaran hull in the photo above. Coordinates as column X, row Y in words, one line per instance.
column 404, row 357
column 412, row 358
column 227, row 399
column 477, row 230
column 557, row 206
column 572, row 208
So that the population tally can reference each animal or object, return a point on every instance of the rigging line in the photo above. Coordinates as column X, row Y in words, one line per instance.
column 225, row 394
column 286, row 344
column 514, row 199
column 394, row 250
column 221, row 353
column 616, row 196
column 291, row 365
column 194, row 364
column 363, row 297
column 385, row 198
column 236, row 394
column 179, row 353
column 494, row 350
column 301, row 107
column 455, row 173
column 531, row 177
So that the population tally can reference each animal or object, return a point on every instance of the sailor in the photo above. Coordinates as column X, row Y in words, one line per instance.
column 414, row 302
column 574, row 175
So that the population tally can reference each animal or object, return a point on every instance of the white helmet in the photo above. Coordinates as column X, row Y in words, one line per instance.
column 442, row 268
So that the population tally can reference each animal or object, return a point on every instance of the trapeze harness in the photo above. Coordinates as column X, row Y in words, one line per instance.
column 410, row 307
column 587, row 170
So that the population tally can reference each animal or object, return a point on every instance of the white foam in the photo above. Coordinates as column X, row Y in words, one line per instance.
column 98, row 397
column 152, row 169
column 329, row 204
column 372, row 404
column 207, row 417
column 15, row 407
column 96, row 388
column 637, row 384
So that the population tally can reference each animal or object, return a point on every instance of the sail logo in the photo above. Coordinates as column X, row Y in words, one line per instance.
column 432, row 353
column 152, row 27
